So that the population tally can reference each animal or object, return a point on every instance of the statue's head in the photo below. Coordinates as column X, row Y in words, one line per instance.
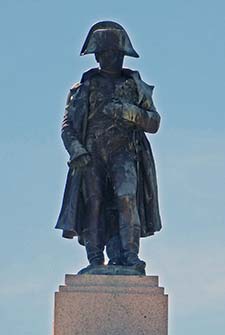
column 110, row 43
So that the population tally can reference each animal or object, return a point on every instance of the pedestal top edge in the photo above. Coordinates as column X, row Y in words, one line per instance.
column 101, row 280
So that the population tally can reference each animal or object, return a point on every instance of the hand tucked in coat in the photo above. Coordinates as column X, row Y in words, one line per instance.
column 147, row 120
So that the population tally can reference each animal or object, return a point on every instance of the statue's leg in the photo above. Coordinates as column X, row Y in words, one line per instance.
column 124, row 179
column 94, row 224
column 114, row 250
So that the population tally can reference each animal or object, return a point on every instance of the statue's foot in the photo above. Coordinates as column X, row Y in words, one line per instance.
column 139, row 266
column 92, row 268
column 115, row 262
column 135, row 262
column 96, row 262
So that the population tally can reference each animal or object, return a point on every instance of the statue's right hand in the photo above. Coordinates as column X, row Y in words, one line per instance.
column 80, row 162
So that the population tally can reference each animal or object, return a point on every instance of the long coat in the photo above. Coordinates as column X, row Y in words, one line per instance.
column 71, row 217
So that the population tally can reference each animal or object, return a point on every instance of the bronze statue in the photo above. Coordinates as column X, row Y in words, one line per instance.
column 110, row 198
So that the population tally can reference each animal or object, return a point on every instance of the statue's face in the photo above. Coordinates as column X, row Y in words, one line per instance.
column 110, row 60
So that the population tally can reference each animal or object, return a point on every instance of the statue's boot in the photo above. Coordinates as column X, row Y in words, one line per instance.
column 114, row 251
column 94, row 247
column 129, row 224
column 94, row 233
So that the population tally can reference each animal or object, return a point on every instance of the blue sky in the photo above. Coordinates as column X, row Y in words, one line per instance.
column 182, row 49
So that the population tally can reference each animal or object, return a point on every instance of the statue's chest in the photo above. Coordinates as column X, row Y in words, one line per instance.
column 104, row 90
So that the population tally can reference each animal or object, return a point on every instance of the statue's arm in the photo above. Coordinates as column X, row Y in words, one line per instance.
column 147, row 120
column 69, row 135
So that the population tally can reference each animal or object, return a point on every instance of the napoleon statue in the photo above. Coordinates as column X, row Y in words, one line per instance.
column 111, row 197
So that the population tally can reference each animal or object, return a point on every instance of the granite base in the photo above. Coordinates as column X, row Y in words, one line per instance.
column 110, row 305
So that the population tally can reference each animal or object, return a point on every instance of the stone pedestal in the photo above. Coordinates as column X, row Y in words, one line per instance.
column 110, row 305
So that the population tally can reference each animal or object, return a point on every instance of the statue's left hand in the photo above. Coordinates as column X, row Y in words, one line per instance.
column 80, row 162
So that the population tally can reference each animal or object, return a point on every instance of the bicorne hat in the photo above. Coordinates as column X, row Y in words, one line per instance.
column 108, row 35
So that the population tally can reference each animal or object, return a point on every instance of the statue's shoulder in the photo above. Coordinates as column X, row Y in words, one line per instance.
column 86, row 76
column 131, row 73
column 144, row 90
column 137, row 78
column 74, row 87
column 89, row 74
